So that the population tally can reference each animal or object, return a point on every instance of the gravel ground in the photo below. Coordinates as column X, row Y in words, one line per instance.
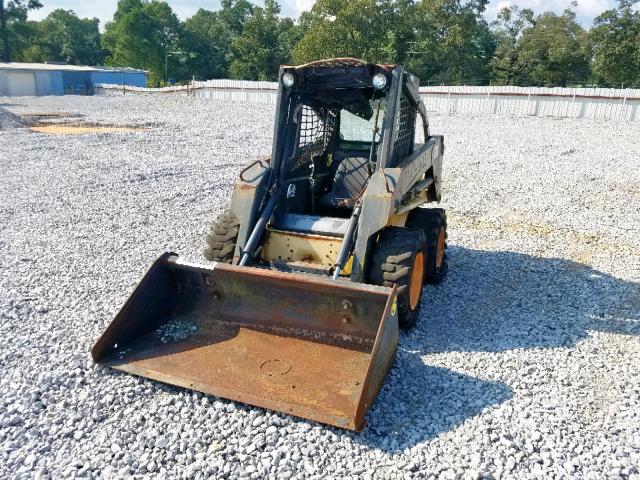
column 524, row 363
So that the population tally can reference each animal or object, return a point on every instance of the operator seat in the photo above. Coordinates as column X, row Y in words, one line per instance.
column 349, row 181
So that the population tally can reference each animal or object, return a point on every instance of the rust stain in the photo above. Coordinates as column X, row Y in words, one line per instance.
column 273, row 340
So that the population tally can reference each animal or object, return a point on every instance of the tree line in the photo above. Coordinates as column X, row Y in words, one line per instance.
column 441, row 41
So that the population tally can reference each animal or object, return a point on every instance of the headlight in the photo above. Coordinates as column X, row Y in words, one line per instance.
column 288, row 79
column 379, row 81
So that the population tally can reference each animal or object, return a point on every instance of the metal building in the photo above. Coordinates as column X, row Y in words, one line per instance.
column 23, row 79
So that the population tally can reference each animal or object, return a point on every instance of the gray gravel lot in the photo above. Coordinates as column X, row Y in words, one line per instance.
column 524, row 363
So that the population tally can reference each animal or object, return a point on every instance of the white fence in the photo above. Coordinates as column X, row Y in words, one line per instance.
column 235, row 90
column 593, row 103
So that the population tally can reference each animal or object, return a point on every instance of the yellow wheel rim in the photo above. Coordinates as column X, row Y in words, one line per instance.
column 417, row 277
column 440, row 248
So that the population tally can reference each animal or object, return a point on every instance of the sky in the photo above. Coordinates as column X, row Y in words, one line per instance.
column 103, row 9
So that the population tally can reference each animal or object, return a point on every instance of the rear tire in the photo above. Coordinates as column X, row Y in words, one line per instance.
column 222, row 238
column 433, row 221
column 399, row 260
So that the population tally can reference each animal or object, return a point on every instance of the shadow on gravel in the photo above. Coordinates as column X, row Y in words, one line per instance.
column 490, row 302
column 420, row 401
column 496, row 301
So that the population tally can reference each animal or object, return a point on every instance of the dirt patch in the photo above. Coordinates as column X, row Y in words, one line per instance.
column 38, row 115
column 62, row 129
column 585, row 244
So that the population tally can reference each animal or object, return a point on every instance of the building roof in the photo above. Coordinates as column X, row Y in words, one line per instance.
column 65, row 68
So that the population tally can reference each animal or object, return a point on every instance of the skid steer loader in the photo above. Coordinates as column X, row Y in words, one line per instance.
column 319, row 259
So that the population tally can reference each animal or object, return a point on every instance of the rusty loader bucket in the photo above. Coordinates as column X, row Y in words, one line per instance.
column 299, row 344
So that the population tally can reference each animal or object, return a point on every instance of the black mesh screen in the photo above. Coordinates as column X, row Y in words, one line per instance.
column 316, row 129
column 405, row 129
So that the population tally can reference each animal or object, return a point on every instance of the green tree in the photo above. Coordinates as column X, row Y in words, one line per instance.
column 234, row 14
column 63, row 37
column 24, row 45
column 364, row 29
column 507, row 28
column 144, row 34
column 553, row 51
column 616, row 45
column 453, row 42
column 208, row 37
column 264, row 44
column 13, row 24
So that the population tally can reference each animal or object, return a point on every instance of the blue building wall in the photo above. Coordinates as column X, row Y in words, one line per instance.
column 77, row 82
column 136, row 79
column 57, row 83
column 43, row 83
column 61, row 82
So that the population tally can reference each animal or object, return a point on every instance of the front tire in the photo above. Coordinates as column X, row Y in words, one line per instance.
column 399, row 260
column 222, row 238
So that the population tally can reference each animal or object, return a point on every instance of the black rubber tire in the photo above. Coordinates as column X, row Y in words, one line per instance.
column 221, row 239
column 430, row 221
column 392, row 263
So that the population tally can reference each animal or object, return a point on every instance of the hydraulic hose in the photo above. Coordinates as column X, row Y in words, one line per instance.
column 347, row 242
column 256, row 234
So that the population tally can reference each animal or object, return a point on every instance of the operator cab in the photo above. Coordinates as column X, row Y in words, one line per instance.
column 336, row 128
column 332, row 136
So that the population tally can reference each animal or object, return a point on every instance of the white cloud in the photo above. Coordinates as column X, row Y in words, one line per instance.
column 586, row 10
column 102, row 10
column 494, row 7
column 303, row 5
